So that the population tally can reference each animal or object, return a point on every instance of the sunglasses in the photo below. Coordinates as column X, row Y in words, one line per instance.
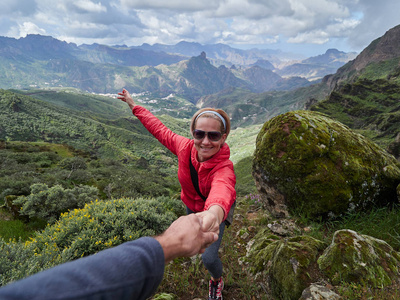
column 213, row 136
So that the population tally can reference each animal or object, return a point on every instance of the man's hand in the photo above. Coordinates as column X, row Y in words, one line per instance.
column 185, row 237
column 126, row 97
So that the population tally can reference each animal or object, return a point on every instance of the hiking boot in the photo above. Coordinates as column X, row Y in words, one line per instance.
column 215, row 290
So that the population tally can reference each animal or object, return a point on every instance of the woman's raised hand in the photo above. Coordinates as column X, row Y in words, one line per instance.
column 126, row 97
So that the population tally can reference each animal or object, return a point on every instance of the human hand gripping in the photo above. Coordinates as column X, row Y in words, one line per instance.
column 126, row 97
column 212, row 218
column 185, row 237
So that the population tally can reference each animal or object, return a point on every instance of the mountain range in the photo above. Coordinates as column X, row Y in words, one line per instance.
column 362, row 94
column 44, row 62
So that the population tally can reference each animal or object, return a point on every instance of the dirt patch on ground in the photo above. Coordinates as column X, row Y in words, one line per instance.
column 4, row 215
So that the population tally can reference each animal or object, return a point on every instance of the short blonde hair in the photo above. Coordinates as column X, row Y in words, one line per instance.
column 225, row 129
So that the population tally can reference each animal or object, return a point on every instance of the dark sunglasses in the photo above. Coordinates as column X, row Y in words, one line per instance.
column 213, row 136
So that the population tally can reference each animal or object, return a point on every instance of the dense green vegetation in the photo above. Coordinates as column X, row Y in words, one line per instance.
column 80, row 232
column 23, row 118
column 26, row 164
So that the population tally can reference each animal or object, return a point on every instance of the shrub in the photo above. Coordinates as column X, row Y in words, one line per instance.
column 97, row 226
column 48, row 203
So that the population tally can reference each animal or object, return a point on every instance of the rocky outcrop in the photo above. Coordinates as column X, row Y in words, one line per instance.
column 354, row 257
column 285, row 263
column 302, row 267
column 319, row 292
column 305, row 162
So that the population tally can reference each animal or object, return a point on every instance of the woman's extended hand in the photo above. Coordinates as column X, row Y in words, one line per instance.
column 185, row 237
column 126, row 97
column 212, row 218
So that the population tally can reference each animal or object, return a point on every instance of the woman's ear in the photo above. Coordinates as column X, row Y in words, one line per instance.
column 223, row 138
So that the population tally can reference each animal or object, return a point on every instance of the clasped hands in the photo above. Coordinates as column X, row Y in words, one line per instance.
column 191, row 234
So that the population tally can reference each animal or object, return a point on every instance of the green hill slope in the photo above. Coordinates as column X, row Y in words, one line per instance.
column 23, row 118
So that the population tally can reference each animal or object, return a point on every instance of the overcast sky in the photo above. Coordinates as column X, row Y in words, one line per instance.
column 309, row 27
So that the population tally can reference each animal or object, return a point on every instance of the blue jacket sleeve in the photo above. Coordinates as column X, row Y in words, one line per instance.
column 132, row 270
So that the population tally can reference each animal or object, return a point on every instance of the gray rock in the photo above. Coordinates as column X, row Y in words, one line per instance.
column 318, row 292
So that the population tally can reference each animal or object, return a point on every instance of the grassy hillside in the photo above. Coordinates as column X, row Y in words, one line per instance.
column 23, row 118
column 370, row 104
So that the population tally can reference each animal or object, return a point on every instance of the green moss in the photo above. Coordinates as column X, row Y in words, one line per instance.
column 286, row 263
column 164, row 296
column 353, row 257
column 321, row 166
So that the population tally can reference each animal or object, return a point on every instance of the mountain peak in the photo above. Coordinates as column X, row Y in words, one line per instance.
column 383, row 48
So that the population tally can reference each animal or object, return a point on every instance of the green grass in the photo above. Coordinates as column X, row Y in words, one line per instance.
column 17, row 229
column 242, row 142
column 14, row 229
column 382, row 223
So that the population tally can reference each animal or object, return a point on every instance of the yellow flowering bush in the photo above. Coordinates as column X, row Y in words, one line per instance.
column 80, row 232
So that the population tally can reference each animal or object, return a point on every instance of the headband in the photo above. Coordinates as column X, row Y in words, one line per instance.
column 212, row 112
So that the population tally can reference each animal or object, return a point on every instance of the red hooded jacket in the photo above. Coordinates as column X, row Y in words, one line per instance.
column 216, row 176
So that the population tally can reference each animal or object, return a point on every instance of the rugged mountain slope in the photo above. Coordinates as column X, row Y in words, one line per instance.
column 384, row 51
column 366, row 93
column 371, row 106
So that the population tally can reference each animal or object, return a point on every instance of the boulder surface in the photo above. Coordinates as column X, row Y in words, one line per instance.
column 286, row 264
column 354, row 257
column 307, row 163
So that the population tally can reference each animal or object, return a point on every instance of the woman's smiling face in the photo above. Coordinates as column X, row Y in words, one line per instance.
column 206, row 149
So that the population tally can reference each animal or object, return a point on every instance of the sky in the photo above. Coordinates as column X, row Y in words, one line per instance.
column 306, row 27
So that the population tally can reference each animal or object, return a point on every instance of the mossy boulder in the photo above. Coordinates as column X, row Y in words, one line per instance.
column 305, row 161
column 354, row 257
column 286, row 264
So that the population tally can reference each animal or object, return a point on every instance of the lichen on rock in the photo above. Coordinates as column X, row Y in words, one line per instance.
column 354, row 257
column 284, row 263
column 306, row 162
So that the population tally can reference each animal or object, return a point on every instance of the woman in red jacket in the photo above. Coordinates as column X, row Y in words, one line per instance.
column 209, row 155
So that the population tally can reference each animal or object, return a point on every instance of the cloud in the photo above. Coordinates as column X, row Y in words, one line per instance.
column 244, row 21
column 377, row 17
column 14, row 8
column 26, row 28
column 88, row 6
column 173, row 5
column 134, row 22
